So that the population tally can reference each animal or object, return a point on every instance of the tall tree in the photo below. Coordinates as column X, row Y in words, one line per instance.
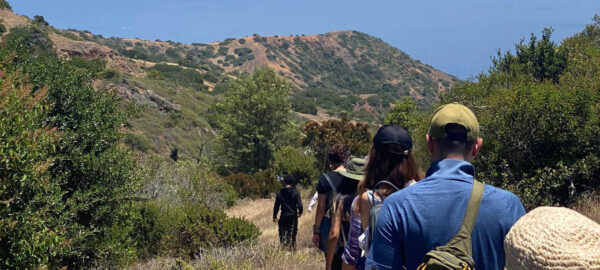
column 253, row 117
column 320, row 137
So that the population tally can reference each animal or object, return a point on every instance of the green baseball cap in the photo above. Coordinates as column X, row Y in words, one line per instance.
column 355, row 169
column 453, row 113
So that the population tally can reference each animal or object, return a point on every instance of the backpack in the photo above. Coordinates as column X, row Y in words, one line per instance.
column 458, row 252
column 326, row 221
column 373, row 213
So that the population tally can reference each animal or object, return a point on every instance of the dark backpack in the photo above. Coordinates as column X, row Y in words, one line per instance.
column 375, row 208
column 458, row 252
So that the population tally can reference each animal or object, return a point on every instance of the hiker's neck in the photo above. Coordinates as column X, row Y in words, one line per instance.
column 339, row 168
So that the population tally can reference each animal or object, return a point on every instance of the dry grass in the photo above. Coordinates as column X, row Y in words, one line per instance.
column 589, row 206
column 262, row 254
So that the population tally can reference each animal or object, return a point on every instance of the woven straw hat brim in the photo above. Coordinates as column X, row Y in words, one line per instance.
column 553, row 238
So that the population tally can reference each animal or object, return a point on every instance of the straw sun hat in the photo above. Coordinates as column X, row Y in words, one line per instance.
column 553, row 238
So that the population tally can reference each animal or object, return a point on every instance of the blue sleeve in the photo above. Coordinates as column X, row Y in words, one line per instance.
column 385, row 253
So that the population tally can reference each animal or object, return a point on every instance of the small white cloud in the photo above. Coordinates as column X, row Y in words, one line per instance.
column 125, row 27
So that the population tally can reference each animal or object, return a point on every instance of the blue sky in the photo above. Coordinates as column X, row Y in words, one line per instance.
column 456, row 36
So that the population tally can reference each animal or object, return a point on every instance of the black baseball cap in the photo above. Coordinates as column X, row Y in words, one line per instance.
column 393, row 134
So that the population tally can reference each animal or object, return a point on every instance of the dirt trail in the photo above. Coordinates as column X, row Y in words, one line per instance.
column 260, row 213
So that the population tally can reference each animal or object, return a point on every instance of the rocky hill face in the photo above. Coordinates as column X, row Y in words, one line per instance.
column 340, row 72
column 360, row 71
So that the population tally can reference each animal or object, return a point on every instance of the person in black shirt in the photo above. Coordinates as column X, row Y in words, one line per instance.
column 290, row 202
column 331, row 183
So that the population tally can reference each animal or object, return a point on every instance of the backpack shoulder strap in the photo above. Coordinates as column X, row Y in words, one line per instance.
column 462, row 239
column 376, row 188
column 330, row 183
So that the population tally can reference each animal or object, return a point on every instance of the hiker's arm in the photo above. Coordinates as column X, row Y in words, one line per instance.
column 299, row 203
column 365, row 208
column 318, row 217
column 276, row 207
column 334, row 235
column 313, row 201
column 386, row 249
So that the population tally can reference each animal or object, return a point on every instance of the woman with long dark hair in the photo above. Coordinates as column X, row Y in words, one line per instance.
column 391, row 166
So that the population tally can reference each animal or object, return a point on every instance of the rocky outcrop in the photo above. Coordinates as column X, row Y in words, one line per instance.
column 145, row 98
column 91, row 50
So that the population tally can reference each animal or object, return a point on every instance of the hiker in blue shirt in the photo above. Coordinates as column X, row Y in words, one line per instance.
column 428, row 214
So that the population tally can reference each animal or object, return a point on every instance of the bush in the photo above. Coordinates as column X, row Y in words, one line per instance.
column 185, row 230
column 260, row 185
column 242, row 41
column 4, row 5
column 137, row 142
column 94, row 66
column 223, row 50
column 2, row 29
column 204, row 228
column 288, row 160
column 172, row 53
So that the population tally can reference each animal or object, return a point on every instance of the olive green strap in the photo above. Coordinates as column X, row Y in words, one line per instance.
column 462, row 239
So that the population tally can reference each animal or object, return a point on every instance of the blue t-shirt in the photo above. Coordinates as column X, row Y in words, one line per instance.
column 429, row 213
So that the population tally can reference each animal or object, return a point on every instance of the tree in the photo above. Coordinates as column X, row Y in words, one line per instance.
column 402, row 113
column 538, row 113
column 320, row 137
column 96, row 179
column 37, row 19
column 5, row 5
column 253, row 115
column 542, row 59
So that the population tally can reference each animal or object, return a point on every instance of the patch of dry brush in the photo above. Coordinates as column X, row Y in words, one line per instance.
column 262, row 254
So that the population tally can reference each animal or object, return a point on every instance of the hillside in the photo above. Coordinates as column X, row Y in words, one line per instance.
column 340, row 72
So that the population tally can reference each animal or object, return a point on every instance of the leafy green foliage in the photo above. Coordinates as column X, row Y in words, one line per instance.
column 538, row 114
column 186, row 230
column 542, row 59
column 4, row 5
column 253, row 114
column 2, row 29
column 260, row 185
column 32, row 209
column 93, row 177
column 39, row 20
column 320, row 137
column 289, row 160
column 94, row 66
column 401, row 113
column 184, row 76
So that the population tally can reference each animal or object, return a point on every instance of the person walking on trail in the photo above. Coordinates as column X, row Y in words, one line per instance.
column 330, row 184
column 290, row 202
column 340, row 215
column 428, row 214
column 391, row 166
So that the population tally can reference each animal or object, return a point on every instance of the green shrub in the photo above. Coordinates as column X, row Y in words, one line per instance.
column 242, row 41
column 204, row 228
column 95, row 177
column 2, row 29
column 137, row 142
column 260, row 185
column 172, row 53
column 4, row 5
column 244, row 184
column 289, row 160
column 94, row 66
column 110, row 74
column 223, row 50
column 33, row 211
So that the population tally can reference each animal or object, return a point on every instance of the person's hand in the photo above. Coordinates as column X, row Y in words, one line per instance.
column 315, row 240
column 275, row 219
column 328, row 267
column 299, row 215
